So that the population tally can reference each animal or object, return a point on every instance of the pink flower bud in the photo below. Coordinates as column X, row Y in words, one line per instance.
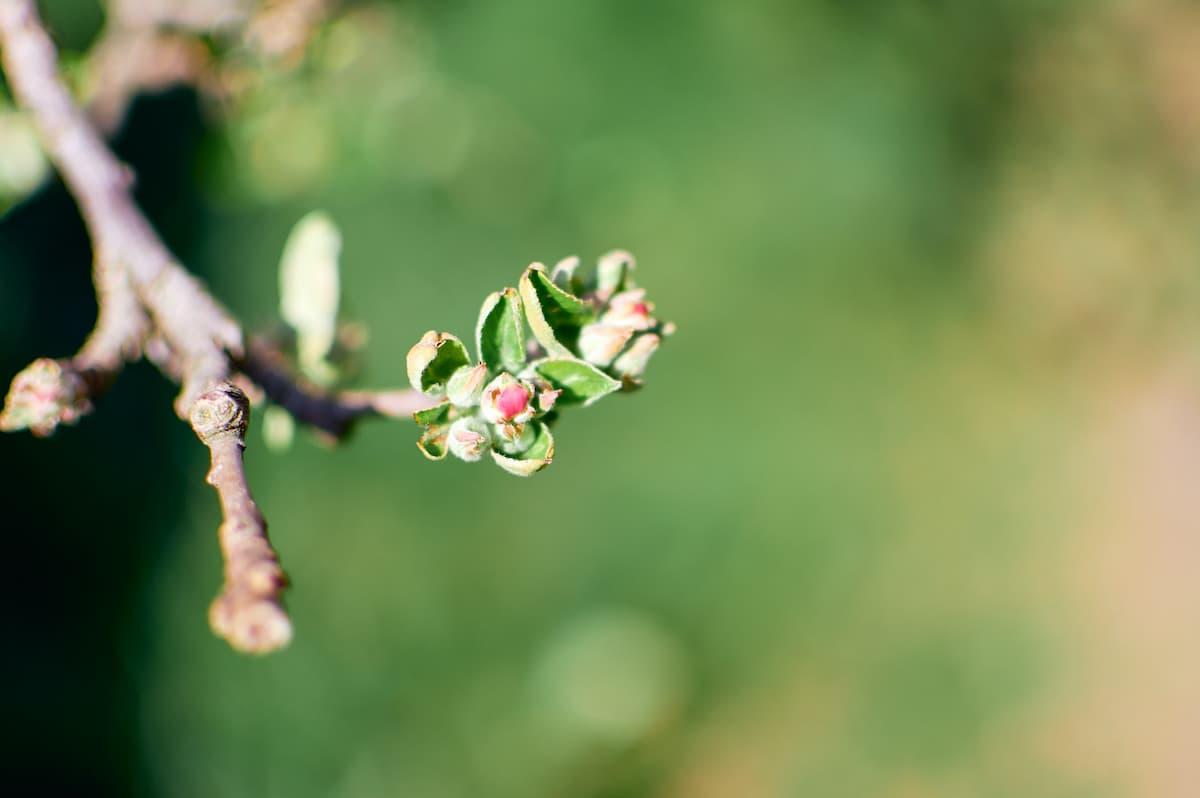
column 507, row 400
column 630, row 309
column 600, row 343
column 513, row 400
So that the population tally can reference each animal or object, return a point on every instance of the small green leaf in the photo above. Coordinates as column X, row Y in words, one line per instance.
column 580, row 382
column 309, row 290
column 433, row 360
column 432, row 442
column 500, row 333
column 432, row 415
column 539, row 454
column 554, row 315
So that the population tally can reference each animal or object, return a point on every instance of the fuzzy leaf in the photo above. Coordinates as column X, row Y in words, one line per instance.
column 433, row 360
column 554, row 315
column 431, row 416
column 580, row 382
column 432, row 442
column 500, row 333
column 539, row 455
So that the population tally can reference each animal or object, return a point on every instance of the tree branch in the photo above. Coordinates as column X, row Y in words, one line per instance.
column 150, row 305
column 186, row 315
column 135, row 271
column 248, row 612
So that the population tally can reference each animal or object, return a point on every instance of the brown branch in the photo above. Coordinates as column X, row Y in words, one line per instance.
column 332, row 412
column 189, row 319
column 51, row 392
column 150, row 305
column 199, row 335
column 248, row 612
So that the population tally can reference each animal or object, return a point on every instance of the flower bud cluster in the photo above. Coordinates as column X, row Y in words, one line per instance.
column 625, row 333
column 590, row 339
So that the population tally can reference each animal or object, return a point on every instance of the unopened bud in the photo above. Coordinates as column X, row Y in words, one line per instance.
column 612, row 272
column 633, row 362
column 630, row 309
column 564, row 272
column 279, row 428
column 469, row 439
column 466, row 385
column 600, row 343
column 507, row 400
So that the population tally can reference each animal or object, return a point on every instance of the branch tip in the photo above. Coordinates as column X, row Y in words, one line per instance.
column 43, row 395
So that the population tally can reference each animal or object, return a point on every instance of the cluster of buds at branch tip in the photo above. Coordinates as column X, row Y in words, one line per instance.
column 43, row 395
column 590, row 338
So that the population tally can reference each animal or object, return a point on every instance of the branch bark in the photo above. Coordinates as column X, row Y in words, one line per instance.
column 135, row 272
column 150, row 305
column 189, row 319
column 248, row 612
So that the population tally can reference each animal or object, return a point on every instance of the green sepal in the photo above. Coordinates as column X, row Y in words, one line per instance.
column 432, row 442
column 539, row 454
column 554, row 315
column 579, row 381
column 500, row 333
column 433, row 360
column 430, row 416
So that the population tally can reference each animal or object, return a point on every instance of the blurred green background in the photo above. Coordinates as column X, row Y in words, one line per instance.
column 904, row 510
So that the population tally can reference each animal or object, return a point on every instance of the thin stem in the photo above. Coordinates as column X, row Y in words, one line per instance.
column 334, row 413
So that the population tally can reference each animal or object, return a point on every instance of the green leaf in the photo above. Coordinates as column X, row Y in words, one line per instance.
column 580, row 382
column 430, row 416
column 554, row 315
column 432, row 442
column 500, row 333
column 539, row 454
column 434, row 360
column 309, row 291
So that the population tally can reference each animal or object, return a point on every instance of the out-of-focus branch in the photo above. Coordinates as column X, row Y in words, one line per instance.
column 150, row 45
column 136, row 272
column 332, row 412
column 196, row 327
column 150, row 305
column 52, row 392
column 248, row 612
